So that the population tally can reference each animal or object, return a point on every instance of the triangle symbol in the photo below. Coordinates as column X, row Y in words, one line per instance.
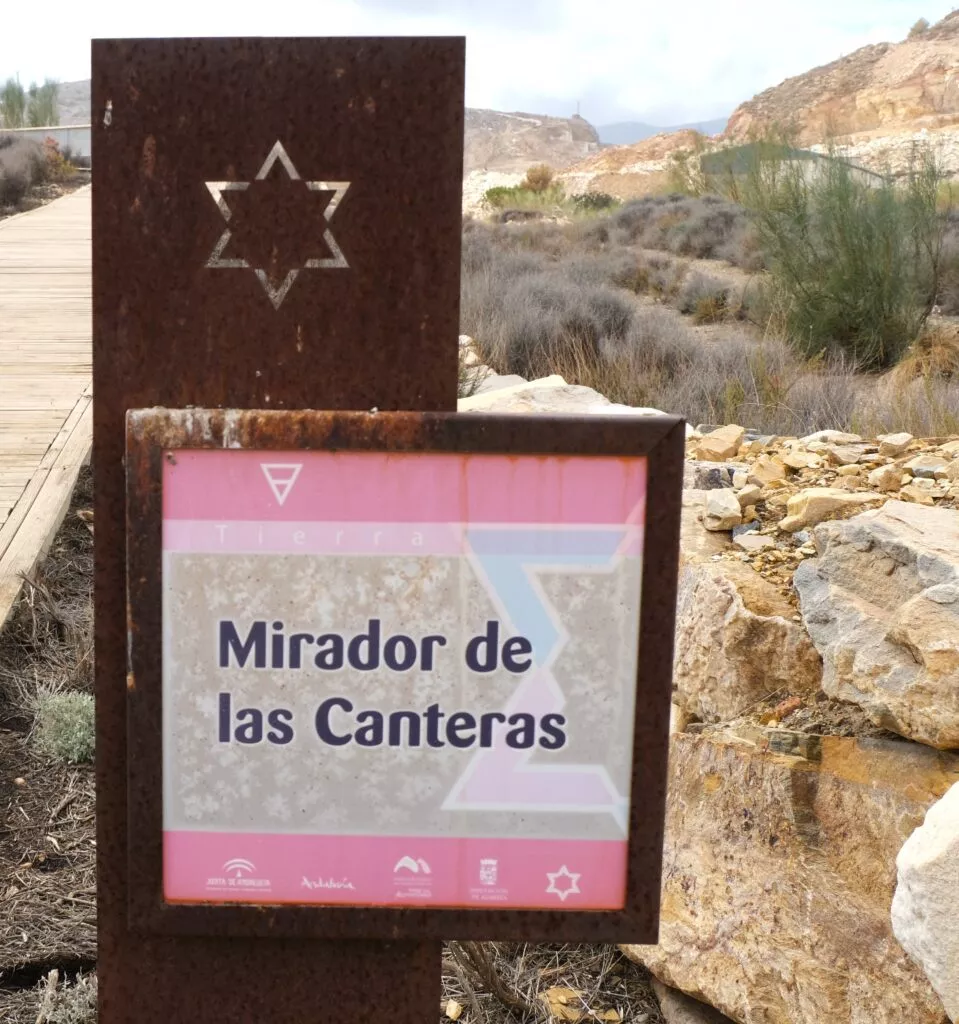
column 281, row 476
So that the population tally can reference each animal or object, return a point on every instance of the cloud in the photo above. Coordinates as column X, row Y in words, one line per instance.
column 621, row 59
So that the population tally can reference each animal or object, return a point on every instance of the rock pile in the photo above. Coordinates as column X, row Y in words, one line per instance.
column 817, row 666
column 816, row 722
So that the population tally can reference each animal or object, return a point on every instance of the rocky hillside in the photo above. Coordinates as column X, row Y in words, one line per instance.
column 877, row 103
column 494, row 142
column 511, row 142
column 886, row 88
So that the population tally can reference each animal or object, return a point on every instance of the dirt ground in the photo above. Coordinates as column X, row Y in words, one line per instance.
column 47, row 834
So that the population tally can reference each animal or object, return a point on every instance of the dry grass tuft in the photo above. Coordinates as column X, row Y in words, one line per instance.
column 934, row 355
column 506, row 983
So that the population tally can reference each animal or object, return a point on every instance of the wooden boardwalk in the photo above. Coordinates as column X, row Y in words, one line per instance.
column 45, row 377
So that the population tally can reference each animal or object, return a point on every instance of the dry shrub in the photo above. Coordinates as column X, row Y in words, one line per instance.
column 705, row 298
column 701, row 227
column 22, row 165
column 920, row 28
column 538, row 178
column 556, row 298
column 934, row 355
column 68, row 1003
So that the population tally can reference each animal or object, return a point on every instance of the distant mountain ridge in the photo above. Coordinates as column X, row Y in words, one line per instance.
column 625, row 133
column 493, row 141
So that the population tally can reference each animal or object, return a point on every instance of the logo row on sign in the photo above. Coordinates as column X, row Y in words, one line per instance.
column 412, row 877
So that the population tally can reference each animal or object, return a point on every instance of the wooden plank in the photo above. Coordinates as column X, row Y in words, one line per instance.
column 34, row 533
column 45, row 367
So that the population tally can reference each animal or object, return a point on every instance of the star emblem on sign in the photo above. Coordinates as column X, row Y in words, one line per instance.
column 563, row 882
column 278, row 293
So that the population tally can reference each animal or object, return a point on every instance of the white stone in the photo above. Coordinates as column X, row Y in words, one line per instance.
column 830, row 437
column 924, row 916
column 722, row 510
column 753, row 542
column 894, row 444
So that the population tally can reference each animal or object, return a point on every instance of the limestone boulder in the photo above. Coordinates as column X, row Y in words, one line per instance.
column 881, row 603
column 923, row 909
column 779, row 874
column 815, row 504
column 894, row 444
column 736, row 641
column 721, row 510
column 720, row 444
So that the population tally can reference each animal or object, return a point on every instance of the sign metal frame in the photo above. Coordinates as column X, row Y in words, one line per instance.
column 155, row 434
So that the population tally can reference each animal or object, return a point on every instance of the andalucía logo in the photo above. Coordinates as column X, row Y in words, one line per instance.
column 412, row 878
column 417, row 866
column 238, row 873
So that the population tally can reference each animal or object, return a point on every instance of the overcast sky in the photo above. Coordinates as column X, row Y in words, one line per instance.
column 663, row 62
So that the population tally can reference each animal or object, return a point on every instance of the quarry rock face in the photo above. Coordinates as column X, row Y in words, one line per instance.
column 779, row 875
column 736, row 641
column 923, row 909
column 881, row 603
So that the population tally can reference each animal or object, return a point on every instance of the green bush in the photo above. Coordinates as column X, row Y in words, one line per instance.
column 65, row 726
column 590, row 201
column 855, row 265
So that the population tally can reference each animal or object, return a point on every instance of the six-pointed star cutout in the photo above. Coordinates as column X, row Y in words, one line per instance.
column 563, row 882
column 336, row 259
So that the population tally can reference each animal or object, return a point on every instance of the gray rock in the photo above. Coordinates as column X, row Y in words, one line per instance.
column 878, row 606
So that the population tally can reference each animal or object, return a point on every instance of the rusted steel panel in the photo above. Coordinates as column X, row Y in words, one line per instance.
column 156, row 434
column 182, row 317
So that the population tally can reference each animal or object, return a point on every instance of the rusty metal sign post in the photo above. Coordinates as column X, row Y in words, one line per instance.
column 339, row 715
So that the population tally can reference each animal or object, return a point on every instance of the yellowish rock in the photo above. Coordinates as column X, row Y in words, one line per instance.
column 721, row 444
column 815, row 504
column 766, row 470
column 848, row 470
column 843, row 455
column 916, row 494
column 886, row 478
column 749, row 495
column 776, row 902
column 801, row 460
column 736, row 640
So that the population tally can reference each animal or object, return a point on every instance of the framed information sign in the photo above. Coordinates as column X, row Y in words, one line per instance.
column 401, row 672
